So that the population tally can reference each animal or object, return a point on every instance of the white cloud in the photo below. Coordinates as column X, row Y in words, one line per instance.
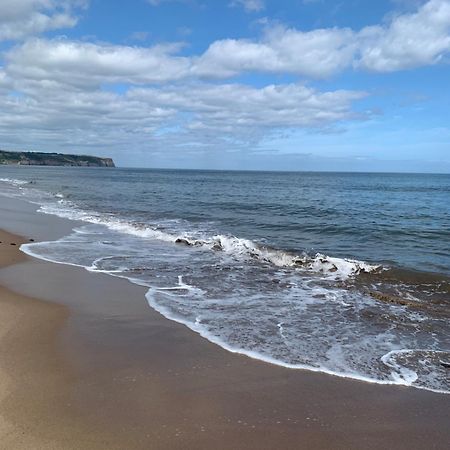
column 409, row 40
column 5, row 82
column 86, row 64
column 249, row 5
column 50, row 117
column 194, row 115
column 316, row 54
column 240, row 108
column 403, row 42
column 22, row 18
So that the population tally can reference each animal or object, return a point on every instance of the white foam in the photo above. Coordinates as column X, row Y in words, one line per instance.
column 331, row 267
column 400, row 374
column 14, row 181
column 336, row 268
column 406, row 380
column 28, row 250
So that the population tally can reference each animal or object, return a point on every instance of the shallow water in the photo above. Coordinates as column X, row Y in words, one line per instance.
column 341, row 273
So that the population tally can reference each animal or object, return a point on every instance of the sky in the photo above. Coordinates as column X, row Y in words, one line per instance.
column 341, row 85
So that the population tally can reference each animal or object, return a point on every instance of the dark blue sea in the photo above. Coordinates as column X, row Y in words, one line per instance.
column 342, row 273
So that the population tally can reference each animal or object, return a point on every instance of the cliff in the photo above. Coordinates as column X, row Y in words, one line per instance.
column 53, row 159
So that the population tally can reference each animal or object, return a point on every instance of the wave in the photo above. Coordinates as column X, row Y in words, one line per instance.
column 14, row 181
column 400, row 374
column 309, row 318
column 332, row 267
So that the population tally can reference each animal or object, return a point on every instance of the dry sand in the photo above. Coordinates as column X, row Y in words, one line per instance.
column 95, row 367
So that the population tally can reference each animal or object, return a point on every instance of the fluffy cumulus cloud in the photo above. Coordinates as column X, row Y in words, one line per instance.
column 55, row 113
column 52, row 117
column 22, row 18
column 317, row 53
column 87, row 64
column 238, row 108
column 405, row 41
column 410, row 40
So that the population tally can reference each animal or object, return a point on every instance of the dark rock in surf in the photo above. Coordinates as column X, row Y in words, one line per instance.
column 183, row 241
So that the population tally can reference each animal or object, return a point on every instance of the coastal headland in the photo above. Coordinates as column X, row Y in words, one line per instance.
column 52, row 159
column 86, row 363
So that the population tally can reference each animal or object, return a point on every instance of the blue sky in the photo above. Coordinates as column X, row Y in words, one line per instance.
column 233, row 84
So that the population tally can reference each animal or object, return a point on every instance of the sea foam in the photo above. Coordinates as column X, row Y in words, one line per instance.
column 281, row 307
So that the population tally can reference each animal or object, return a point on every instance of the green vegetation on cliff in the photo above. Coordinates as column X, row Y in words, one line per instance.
column 53, row 159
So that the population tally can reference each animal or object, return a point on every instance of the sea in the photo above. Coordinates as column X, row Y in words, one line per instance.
column 342, row 273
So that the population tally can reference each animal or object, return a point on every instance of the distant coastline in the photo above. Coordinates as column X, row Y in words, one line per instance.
column 52, row 159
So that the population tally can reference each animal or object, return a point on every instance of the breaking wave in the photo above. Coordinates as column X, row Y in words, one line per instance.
column 296, row 310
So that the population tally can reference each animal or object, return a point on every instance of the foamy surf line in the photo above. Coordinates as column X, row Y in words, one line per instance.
column 332, row 267
column 14, row 181
column 244, row 249
column 196, row 327
column 400, row 376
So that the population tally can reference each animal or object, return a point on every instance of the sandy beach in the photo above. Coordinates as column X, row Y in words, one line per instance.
column 224, row 225
column 85, row 363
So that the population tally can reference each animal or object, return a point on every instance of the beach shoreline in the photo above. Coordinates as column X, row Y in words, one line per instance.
column 33, row 373
column 119, row 375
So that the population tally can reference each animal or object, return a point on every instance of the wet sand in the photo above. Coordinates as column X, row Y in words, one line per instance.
column 35, row 380
column 92, row 366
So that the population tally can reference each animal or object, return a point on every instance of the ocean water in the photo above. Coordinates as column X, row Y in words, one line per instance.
column 347, row 274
